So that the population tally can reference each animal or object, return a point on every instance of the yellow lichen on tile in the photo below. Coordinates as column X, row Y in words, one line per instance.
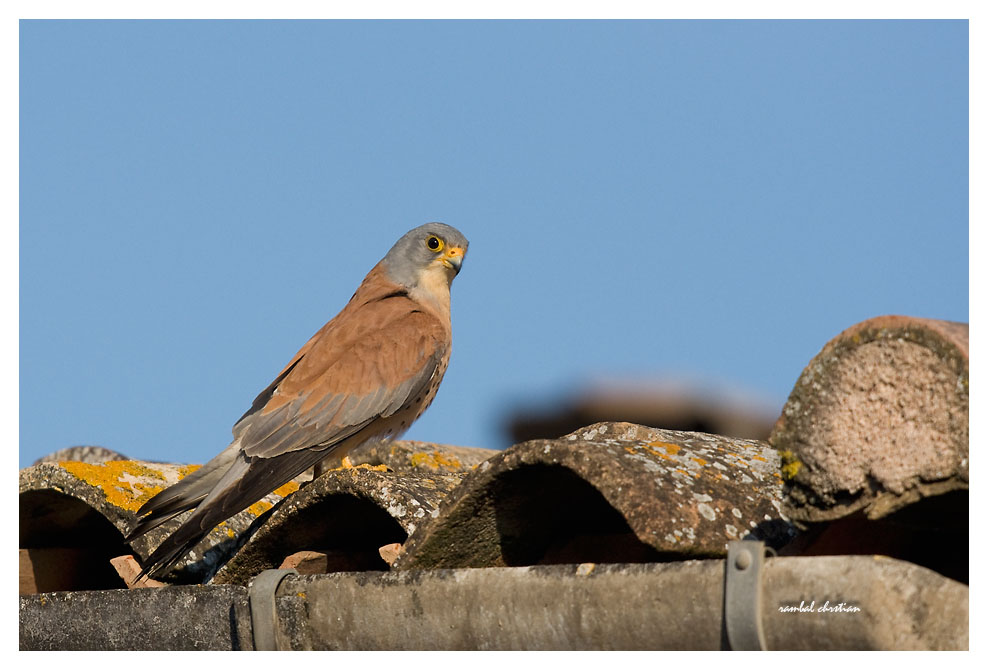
column 760, row 458
column 790, row 464
column 187, row 470
column 435, row 460
column 260, row 507
column 290, row 487
column 125, row 484
column 375, row 468
column 700, row 461
column 790, row 470
column 650, row 448
column 671, row 449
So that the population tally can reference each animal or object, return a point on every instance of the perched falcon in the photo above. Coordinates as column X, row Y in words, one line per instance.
column 366, row 375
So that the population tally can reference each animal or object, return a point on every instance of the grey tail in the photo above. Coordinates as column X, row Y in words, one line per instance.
column 244, row 481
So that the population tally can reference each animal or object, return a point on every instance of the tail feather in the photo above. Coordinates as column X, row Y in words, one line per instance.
column 151, row 522
column 169, row 552
column 244, row 482
column 184, row 495
column 198, row 525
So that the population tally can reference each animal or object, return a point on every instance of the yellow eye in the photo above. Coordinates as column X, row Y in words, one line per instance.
column 434, row 243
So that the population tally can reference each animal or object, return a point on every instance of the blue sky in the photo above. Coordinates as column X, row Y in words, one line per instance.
column 709, row 200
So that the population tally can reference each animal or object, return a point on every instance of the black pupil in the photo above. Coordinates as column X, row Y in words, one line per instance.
column 433, row 243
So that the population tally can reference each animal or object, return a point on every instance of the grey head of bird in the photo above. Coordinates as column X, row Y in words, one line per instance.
column 430, row 253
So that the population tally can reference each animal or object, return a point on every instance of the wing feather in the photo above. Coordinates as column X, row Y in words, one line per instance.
column 317, row 405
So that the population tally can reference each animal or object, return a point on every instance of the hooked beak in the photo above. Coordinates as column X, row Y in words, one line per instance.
column 453, row 258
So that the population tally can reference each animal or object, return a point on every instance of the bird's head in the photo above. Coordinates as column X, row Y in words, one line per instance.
column 426, row 254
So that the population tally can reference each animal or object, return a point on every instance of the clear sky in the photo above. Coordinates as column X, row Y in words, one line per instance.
column 707, row 200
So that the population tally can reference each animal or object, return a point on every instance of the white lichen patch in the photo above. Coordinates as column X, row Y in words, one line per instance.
column 706, row 511
column 593, row 432
column 731, row 530
column 646, row 462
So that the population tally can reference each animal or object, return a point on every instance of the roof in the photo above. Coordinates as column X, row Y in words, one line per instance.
column 869, row 457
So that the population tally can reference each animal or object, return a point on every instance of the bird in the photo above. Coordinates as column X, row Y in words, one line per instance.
column 364, row 376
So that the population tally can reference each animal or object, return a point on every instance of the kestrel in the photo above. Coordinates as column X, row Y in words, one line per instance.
column 366, row 375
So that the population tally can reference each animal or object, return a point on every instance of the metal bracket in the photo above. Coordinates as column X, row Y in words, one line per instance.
column 743, row 595
column 263, row 608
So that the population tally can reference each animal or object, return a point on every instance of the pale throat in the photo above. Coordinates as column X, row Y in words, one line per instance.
column 432, row 289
